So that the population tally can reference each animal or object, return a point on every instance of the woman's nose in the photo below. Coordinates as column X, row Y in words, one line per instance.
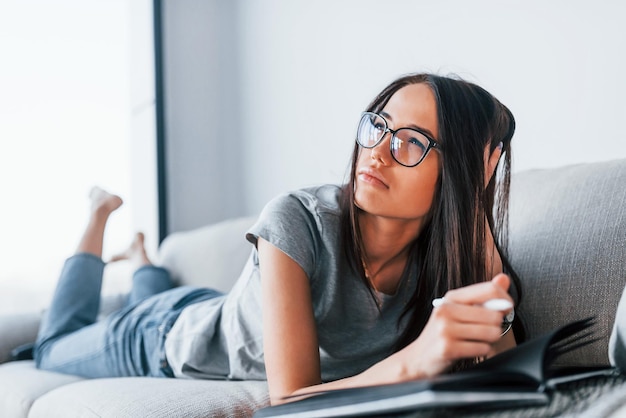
column 381, row 152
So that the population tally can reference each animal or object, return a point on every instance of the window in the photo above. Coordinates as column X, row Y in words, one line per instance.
column 64, row 126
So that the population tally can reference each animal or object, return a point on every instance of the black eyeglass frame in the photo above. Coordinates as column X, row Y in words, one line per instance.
column 431, row 142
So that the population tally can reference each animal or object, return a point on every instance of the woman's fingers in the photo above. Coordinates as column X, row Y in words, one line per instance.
column 480, row 293
column 446, row 340
column 468, row 322
column 502, row 280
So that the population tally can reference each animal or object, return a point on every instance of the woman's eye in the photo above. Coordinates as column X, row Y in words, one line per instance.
column 417, row 142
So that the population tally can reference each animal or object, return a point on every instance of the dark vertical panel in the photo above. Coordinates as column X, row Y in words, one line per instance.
column 160, row 119
column 200, row 87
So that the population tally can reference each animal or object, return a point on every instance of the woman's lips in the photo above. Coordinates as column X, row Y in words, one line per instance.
column 372, row 177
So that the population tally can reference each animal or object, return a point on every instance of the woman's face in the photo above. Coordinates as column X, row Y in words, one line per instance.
column 383, row 186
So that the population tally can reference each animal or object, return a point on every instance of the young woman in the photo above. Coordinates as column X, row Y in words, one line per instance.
column 339, row 287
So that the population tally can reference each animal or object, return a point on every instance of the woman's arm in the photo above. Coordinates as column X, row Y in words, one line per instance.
column 455, row 330
column 289, row 334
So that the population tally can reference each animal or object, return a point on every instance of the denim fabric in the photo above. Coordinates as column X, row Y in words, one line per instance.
column 128, row 342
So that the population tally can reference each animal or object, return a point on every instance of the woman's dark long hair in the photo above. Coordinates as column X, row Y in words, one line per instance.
column 450, row 252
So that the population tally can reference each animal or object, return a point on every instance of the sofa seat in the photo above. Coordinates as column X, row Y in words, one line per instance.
column 21, row 384
column 28, row 392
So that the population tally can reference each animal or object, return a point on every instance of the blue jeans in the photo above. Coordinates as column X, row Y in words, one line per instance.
column 129, row 342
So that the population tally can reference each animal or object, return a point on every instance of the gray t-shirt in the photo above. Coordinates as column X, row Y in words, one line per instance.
column 222, row 337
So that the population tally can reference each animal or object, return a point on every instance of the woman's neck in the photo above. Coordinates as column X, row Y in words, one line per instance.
column 386, row 243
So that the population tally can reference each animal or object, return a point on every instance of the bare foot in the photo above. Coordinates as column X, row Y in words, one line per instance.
column 103, row 202
column 136, row 253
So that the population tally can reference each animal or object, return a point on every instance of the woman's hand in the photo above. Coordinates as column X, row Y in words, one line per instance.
column 457, row 329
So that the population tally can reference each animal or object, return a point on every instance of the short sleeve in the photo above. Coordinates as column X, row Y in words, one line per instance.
column 290, row 223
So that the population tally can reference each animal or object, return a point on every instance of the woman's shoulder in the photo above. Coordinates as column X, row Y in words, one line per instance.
column 311, row 214
column 325, row 198
column 301, row 223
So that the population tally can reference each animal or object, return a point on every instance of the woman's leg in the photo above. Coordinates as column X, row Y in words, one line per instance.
column 128, row 342
column 148, row 280
column 103, row 204
column 76, row 301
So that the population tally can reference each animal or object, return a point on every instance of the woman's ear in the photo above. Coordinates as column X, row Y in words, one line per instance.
column 491, row 162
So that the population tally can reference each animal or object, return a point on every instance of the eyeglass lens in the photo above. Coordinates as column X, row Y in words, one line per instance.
column 408, row 146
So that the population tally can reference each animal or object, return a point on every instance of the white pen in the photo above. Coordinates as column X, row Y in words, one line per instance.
column 492, row 304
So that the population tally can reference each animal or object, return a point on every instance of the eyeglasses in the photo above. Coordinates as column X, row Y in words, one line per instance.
column 408, row 146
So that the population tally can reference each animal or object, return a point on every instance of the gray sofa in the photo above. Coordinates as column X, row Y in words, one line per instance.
column 567, row 242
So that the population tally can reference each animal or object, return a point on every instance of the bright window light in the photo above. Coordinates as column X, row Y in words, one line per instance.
column 64, row 126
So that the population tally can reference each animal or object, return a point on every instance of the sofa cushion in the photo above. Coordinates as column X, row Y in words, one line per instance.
column 568, row 243
column 21, row 384
column 15, row 330
column 212, row 256
column 152, row 397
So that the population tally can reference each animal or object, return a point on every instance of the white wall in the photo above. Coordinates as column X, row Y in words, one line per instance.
column 308, row 68
column 263, row 95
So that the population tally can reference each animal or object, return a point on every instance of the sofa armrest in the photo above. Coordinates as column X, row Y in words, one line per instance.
column 19, row 329
column 568, row 234
column 16, row 330
column 212, row 256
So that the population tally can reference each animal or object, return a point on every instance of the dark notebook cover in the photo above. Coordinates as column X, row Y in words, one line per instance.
column 520, row 376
